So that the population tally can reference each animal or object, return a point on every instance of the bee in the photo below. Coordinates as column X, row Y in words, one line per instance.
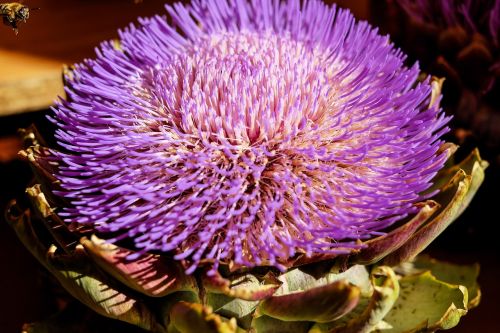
column 14, row 12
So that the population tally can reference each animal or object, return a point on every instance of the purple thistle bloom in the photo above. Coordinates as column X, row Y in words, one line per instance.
column 246, row 132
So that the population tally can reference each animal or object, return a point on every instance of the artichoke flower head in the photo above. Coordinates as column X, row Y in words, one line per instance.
column 238, row 166
column 246, row 138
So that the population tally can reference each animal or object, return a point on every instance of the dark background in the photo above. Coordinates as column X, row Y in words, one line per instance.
column 67, row 31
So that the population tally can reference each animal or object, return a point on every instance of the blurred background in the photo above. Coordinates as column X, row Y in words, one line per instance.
column 65, row 32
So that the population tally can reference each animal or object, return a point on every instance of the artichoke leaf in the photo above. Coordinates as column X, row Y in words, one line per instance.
column 95, row 290
column 462, row 182
column 369, row 313
column 357, row 275
column 30, row 136
column 476, row 169
column 237, row 296
column 150, row 274
column 188, row 317
column 426, row 304
column 231, row 307
column 266, row 324
column 450, row 200
column 57, row 228
column 379, row 247
column 464, row 275
column 299, row 279
column 246, row 287
column 77, row 274
column 445, row 175
column 320, row 304
column 39, row 159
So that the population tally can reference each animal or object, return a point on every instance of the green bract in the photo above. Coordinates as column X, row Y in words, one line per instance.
column 383, row 287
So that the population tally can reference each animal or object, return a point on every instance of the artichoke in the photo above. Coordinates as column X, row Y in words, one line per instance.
column 249, row 167
column 457, row 40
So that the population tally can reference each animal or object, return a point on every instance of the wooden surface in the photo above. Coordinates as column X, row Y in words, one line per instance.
column 27, row 83
column 65, row 32
column 60, row 32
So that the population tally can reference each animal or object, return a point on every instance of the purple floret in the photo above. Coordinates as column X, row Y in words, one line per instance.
column 246, row 132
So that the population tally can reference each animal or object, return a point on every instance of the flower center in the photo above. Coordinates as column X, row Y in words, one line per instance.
column 245, row 88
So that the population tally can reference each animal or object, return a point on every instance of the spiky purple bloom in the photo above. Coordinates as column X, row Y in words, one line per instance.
column 246, row 132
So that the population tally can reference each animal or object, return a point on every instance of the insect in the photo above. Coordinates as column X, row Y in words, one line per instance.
column 14, row 12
